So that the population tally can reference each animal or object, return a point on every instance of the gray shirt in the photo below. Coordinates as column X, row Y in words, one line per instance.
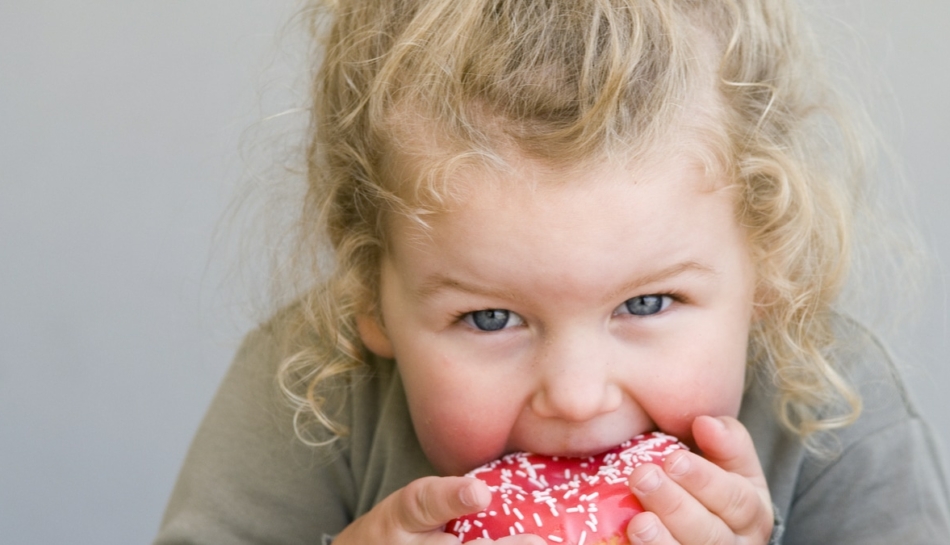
column 248, row 479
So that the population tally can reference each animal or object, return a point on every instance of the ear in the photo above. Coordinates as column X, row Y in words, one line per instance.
column 373, row 336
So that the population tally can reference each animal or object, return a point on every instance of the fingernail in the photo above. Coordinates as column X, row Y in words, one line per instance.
column 649, row 482
column 680, row 466
column 647, row 534
column 469, row 497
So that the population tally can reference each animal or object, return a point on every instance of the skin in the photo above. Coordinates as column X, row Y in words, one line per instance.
column 582, row 362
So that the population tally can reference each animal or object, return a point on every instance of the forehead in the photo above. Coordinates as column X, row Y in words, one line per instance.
column 655, row 199
column 431, row 173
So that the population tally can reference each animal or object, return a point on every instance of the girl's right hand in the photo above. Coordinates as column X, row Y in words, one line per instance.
column 416, row 514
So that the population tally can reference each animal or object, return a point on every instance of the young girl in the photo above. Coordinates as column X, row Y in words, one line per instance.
column 555, row 225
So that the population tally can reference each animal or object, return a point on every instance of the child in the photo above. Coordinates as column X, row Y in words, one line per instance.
column 556, row 225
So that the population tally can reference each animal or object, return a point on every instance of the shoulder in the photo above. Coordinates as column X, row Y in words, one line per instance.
column 881, row 479
column 247, row 478
column 870, row 368
column 380, row 448
column 866, row 365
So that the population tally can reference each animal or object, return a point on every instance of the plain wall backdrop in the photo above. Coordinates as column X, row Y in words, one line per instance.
column 120, row 131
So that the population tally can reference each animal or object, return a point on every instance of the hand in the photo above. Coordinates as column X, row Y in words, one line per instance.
column 722, row 499
column 415, row 515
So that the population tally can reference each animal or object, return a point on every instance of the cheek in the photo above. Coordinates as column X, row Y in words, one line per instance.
column 711, row 382
column 458, row 436
column 461, row 421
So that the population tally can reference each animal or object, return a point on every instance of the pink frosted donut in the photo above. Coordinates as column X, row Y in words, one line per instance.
column 567, row 501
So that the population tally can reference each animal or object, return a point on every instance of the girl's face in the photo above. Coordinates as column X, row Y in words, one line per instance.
column 565, row 316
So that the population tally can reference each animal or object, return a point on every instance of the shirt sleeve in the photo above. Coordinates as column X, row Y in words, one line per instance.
column 247, row 478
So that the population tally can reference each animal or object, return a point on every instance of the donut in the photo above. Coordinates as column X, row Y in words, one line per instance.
column 567, row 501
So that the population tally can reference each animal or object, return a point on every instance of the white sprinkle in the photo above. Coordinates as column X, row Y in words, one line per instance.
column 537, row 520
column 504, row 507
column 555, row 539
column 520, row 527
column 478, row 523
column 518, row 514
column 493, row 513
column 583, row 538
column 485, row 534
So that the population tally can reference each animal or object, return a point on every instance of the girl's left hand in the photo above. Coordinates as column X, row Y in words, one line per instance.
column 717, row 500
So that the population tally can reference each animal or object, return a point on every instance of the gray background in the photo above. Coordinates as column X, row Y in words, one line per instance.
column 120, row 130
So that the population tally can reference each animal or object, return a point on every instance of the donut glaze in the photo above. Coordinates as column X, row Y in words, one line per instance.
column 567, row 501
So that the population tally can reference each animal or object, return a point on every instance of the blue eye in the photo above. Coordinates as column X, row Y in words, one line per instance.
column 646, row 305
column 492, row 319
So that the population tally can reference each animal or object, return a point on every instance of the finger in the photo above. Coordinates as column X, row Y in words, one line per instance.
column 683, row 516
column 426, row 504
column 646, row 528
column 742, row 506
column 725, row 442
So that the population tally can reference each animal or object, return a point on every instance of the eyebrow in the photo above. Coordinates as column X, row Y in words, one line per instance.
column 675, row 269
column 440, row 282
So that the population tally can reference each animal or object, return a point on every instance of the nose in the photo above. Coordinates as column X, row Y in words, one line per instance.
column 576, row 379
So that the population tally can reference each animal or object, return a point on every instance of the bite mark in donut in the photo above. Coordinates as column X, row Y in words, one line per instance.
column 567, row 501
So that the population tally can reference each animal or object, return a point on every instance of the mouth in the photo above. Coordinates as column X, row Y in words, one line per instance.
column 578, row 445
column 556, row 437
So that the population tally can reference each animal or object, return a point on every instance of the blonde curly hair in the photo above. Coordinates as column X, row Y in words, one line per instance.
column 567, row 82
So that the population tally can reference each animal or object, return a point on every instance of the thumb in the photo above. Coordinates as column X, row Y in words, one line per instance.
column 427, row 504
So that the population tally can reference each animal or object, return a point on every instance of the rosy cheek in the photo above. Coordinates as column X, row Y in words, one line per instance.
column 674, row 405
column 459, row 433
